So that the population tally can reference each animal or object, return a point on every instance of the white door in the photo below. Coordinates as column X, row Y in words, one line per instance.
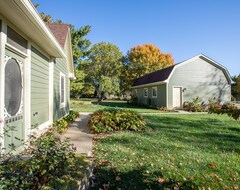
column 177, row 97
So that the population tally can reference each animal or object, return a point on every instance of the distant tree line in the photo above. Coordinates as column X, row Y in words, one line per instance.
column 236, row 87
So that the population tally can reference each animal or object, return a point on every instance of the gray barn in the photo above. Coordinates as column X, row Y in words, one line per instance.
column 199, row 76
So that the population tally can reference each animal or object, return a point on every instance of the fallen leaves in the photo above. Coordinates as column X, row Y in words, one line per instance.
column 213, row 165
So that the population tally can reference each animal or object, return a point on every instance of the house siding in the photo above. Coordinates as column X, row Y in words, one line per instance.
column 39, row 88
column 60, row 66
column 159, row 102
column 201, row 79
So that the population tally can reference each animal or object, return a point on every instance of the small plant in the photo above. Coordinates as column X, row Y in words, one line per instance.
column 164, row 108
column 71, row 116
column 107, row 120
column 195, row 106
column 214, row 106
column 62, row 124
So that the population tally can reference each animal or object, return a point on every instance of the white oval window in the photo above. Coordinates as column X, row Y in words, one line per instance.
column 13, row 87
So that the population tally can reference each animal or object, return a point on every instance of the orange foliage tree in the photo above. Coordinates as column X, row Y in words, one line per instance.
column 143, row 59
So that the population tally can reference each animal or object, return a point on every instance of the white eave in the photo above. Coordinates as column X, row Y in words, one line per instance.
column 149, row 84
column 23, row 15
column 69, row 53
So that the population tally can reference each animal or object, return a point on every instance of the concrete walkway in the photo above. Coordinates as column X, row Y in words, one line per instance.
column 79, row 134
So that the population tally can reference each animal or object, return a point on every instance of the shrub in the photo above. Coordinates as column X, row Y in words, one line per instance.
column 133, row 101
column 115, row 120
column 71, row 116
column 47, row 162
column 229, row 108
column 62, row 124
column 195, row 106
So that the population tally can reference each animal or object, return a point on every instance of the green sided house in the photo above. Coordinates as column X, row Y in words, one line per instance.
column 35, row 66
column 171, row 87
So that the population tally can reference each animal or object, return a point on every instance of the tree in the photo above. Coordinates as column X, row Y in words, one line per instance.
column 80, row 48
column 80, row 45
column 77, row 84
column 143, row 59
column 234, row 87
column 238, row 86
column 104, row 67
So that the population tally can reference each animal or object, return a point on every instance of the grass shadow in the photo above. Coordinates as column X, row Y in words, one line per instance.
column 202, row 132
column 135, row 179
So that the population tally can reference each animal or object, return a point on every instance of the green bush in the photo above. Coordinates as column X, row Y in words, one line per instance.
column 47, row 162
column 111, row 119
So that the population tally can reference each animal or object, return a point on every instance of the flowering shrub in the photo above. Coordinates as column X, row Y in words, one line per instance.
column 115, row 120
column 229, row 108
column 62, row 124
column 195, row 105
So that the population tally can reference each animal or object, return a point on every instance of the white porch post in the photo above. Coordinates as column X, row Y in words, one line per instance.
column 3, row 40
column 27, row 93
column 51, row 70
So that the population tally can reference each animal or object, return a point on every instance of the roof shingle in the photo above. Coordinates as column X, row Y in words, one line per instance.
column 60, row 32
column 156, row 76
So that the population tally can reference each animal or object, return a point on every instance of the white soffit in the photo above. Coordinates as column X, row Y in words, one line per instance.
column 24, row 16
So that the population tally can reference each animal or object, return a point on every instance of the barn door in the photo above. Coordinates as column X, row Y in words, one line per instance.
column 177, row 97
column 13, row 101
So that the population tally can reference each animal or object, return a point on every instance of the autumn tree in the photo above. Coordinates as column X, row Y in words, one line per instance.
column 234, row 87
column 103, row 68
column 143, row 59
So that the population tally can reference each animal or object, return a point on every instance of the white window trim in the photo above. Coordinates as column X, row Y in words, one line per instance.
column 156, row 92
column 144, row 92
column 62, row 104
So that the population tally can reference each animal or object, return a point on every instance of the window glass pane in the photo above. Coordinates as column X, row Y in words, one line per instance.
column 13, row 87
column 154, row 91
column 14, row 39
column 145, row 92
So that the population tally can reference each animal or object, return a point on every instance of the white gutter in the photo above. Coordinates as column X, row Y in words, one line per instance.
column 149, row 84
column 29, row 10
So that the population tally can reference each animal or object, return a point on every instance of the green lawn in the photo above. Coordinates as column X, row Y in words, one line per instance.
column 91, row 105
column 175, row 152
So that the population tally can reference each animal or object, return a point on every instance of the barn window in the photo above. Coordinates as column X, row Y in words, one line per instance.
column 62, row 89
column 145, row 92
column 135, row 93
column 154, row 92
column 13, row 87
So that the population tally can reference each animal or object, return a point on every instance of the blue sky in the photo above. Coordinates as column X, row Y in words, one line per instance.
column 184, row 28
